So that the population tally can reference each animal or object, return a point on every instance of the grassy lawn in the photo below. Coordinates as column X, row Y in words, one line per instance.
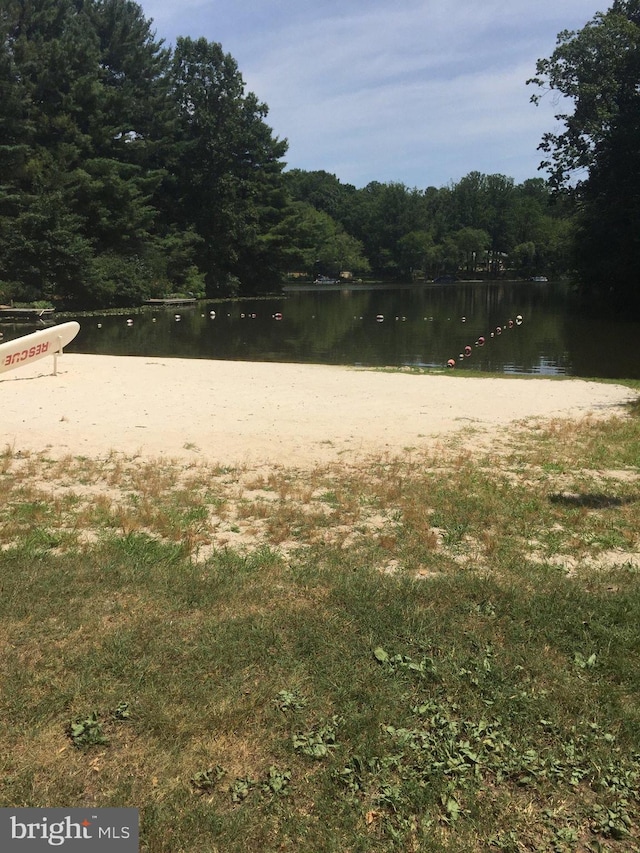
column 433, row 653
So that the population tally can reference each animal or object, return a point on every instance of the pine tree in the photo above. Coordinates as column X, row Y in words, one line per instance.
column 228, row 185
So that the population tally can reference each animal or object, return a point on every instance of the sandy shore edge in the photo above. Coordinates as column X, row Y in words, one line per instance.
column 296, row 415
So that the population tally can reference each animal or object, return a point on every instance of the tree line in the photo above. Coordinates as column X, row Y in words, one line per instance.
column 483, row 224
column 130, row 170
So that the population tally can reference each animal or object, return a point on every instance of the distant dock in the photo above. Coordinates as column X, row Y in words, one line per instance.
column 172, row 300
column 9, row 313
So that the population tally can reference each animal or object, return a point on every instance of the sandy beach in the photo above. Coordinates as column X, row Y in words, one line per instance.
column 295, row 415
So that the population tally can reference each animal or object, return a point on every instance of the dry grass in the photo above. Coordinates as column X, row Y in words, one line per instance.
column 501, row 582
column 447, row 505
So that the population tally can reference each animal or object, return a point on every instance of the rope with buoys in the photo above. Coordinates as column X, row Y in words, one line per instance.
column 467, row 351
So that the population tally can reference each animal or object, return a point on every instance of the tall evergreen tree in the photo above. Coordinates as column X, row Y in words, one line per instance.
column 48, row 70
column 84, row 82
column 122, row 167
column 228, row 184
column 130, row 130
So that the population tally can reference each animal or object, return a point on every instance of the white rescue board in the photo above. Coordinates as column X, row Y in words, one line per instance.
column 40, row 344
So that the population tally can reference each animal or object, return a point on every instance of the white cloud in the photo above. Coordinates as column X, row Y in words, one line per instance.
column 421, row 91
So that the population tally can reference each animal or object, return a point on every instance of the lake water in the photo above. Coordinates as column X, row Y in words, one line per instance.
column 422, row 326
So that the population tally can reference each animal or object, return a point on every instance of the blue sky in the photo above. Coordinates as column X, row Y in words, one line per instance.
column 416, row 91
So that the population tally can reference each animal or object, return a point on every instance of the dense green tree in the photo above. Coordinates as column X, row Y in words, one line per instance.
column 530, row 207
column 131, row 131
column 500, row 192
column 89, row 81
column 439, row 211
column 523, row 258
column 608, row 236
column 317, row 243
column 485, row 202
column 134, row 116
column 322, row 190
column 597, row 69
column 382, row 215
column 228, row 184
column 468, row 202
column 473, row 244
column 126, row 170
column 48, row 62
column 416, row 253
column 446, row 256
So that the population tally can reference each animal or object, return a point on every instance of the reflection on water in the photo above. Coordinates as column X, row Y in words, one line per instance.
column 410, row 326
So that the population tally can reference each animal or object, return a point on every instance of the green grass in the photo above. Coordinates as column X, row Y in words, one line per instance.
column 438, row 653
